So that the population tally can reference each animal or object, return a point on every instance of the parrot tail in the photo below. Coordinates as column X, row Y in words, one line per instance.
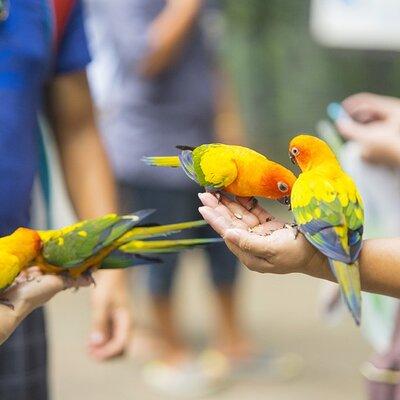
column 147, row 232
column 168, row 161
column 137, row 252
column 348, row 277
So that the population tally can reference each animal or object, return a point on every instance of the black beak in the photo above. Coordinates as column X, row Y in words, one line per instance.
column 285, row 200
column 292, row 159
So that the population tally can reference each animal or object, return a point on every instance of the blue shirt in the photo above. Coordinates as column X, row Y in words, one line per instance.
column 27, row 62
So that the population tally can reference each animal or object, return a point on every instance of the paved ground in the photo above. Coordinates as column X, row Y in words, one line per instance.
column 279, row 311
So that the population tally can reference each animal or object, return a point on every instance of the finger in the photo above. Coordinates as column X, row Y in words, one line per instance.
column 240, row 212
column 250, row 261
column 262, row 214
column 217, row 221
column 100, row 331
column 352, row 130
column 208, row 199
column 115, row 346
column 216, row 204
column 252, row 243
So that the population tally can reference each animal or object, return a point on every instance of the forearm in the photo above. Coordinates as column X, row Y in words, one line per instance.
column 88, row 176
column 379, row 267
column 167, row 34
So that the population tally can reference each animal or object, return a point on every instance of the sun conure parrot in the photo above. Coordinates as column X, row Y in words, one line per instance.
column 111, row 241
column 329, row 211
column 236, row 170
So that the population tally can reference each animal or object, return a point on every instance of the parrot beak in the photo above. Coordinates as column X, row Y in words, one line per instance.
column 292, row 159
column 285, row 200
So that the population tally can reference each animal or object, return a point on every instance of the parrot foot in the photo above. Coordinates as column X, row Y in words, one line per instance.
column 7, row 303
column 294, row 228
column 89, row 276
column 253, row 204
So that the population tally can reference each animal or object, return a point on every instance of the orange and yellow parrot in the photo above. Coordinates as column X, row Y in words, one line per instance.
column 328, row 210
column 237, row 170
column 111, row 241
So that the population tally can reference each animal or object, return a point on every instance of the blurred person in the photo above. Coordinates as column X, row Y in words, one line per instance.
column 34, row 77
column 32, row 290
column 152, row 78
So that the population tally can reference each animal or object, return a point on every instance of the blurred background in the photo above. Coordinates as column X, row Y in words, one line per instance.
column 274, row 78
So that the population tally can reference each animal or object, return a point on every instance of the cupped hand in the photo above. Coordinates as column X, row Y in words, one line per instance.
column 261, row 242
column 31, row 289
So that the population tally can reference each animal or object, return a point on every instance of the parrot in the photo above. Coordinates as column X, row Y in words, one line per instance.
column 110, row 241
column 234, row 170
column 328, row 210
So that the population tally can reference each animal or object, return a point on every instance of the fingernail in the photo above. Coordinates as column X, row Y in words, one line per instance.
column 201, row 195
column 96, row 337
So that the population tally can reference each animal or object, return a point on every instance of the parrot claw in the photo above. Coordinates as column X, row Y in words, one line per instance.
column 253, row 204
column 7, row 303
column 294, row 228
column 89, row 276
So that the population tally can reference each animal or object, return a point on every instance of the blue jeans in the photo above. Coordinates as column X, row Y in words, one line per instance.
column 177, row 206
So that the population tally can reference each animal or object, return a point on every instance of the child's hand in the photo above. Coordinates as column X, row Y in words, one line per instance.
column 259, row 241
column 31, row 290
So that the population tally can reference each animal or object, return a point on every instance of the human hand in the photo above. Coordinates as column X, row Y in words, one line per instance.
column 111, row 320
column 260, row 241
column 31, row 289
column 375, row 125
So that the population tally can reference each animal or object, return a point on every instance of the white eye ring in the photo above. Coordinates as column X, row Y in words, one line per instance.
column 283, row 187
column 295, row 151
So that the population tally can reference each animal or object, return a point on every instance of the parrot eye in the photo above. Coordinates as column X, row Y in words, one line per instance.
column 295, row 151
column 283, row 187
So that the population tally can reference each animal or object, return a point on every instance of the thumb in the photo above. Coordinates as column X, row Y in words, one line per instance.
column 100, row 327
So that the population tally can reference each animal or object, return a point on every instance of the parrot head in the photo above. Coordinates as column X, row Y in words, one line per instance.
column 25, row 243
column 308, row 151
column 277, row 182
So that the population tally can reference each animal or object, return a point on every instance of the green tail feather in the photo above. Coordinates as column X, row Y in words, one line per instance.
column 348, row 277
column 130, row 254
column 148, row 232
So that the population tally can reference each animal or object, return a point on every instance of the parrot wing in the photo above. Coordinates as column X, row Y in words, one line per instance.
column 71, row 246
column 332, row 217
column 215, row 166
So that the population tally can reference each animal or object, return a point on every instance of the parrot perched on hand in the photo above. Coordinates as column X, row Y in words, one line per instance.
column 110, row 241
column 237, row 170
column 329, row 211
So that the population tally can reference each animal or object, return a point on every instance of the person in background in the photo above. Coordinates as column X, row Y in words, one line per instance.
column 153, row 80
column 34, row 78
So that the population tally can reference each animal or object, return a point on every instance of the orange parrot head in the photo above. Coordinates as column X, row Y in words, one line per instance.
column 277, row 182
column 25, row 243
column 308, row 151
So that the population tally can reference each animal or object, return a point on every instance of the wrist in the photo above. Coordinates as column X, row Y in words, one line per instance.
column 317, row 266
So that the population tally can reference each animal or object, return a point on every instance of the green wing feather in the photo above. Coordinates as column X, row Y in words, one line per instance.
column 70, row 247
